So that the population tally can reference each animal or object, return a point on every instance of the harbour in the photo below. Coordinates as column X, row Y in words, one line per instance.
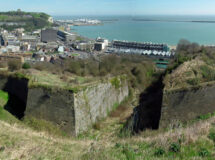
column 162, row 31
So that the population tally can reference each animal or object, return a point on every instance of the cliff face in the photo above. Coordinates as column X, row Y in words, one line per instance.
column 96, row 102
column 180, row 106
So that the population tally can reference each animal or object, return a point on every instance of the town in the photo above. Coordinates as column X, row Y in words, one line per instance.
column 58, row 42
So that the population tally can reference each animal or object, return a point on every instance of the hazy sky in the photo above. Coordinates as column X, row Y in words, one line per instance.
column 111, row 7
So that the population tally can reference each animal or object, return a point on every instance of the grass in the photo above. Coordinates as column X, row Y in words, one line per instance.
column 7, row 117
column 45, row 126
column 19, row 141
column 3, row 98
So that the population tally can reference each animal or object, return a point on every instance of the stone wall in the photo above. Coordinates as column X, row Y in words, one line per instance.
column 95, row 102
column 74, row 112
column 180, row 106
column 54, row 106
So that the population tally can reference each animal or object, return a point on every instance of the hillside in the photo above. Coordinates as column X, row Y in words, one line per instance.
column 194, row 141
column 27, row 20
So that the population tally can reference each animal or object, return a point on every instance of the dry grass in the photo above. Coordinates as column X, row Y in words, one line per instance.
column 178, row 78
column 19, row 142
column 189, row 134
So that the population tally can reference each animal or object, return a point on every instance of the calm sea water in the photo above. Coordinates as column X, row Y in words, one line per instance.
column 165, row 31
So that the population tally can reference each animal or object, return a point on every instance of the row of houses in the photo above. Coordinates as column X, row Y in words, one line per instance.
column 141, row 46
column 140, row 52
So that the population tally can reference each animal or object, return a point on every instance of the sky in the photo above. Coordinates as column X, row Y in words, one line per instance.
column 113, row 7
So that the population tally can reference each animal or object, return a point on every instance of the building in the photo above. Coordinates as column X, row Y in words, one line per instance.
column 50, row 20
column 84, row 46
column 49, row 35
column 31, row 40
column 66, row 36
column 142, row 46
column 11, row 40
column 2, row 43
column 100, row 44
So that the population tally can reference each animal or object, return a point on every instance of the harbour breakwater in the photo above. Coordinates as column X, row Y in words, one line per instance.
column 74, row 111
column 159, row 20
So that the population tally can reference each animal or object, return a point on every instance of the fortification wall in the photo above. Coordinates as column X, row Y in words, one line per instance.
column 184, row 105
column 95, row 102
column 54, row 106
column 73, row 111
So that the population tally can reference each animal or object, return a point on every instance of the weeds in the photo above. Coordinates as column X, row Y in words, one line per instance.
column 211, row 134
column 175, row 147
column 203, row 152
column 159, row 152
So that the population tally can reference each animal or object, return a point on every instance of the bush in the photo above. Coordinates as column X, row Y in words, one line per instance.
column 203, row 152
column 175, row 147
column 194, row 81
column 14, row 65
column 159, row 152
column 211, row 135
column 208, row 73
column 97, row 126
column 26, row 66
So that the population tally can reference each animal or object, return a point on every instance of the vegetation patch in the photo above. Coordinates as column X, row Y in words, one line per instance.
column 30, row 21
column 3, row 98
column 43, row 125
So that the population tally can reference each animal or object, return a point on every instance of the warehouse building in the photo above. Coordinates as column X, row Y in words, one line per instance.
column 49, row 35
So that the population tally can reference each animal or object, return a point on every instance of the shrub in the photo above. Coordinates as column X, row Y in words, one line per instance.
column 207, row 73
column 211, row 134
column 194, row 81
column 14, row 65
column 115, row 82
column 203, row 152
column 205, row 116
column 159, row 152
column 97, row 126
column 175, row 147
column 26, row 66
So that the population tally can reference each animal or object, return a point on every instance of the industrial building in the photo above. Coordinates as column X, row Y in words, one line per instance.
column 49, row 35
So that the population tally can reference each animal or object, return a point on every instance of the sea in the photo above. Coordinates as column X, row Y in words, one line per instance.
column 157, row 29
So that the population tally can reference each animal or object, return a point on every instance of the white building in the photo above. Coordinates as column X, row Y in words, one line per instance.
column 51, row 20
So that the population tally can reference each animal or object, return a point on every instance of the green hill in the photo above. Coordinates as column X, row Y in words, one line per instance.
column 27, row 20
